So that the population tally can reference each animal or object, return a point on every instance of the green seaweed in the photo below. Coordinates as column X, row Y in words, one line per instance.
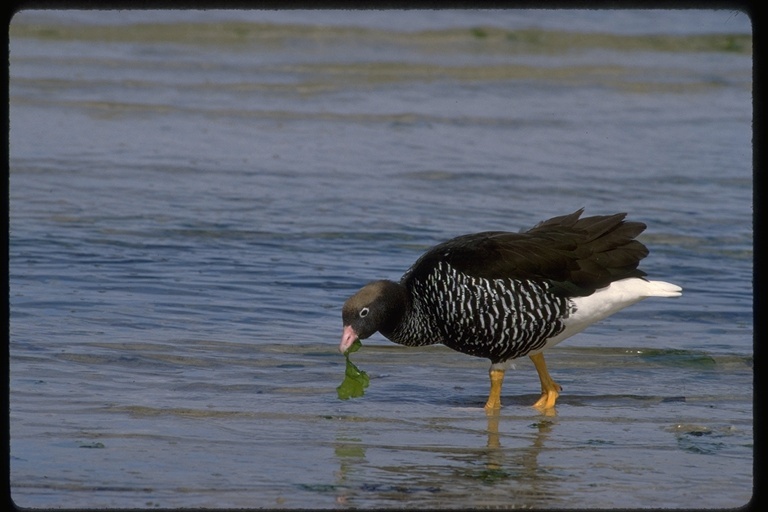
column 94, row 444
column 479, row 32
column 355, row 380
column 679, row 357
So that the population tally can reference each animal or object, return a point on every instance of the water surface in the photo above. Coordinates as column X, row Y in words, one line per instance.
column 194, row 195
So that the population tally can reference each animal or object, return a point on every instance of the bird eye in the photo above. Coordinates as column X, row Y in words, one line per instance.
column 364, row 312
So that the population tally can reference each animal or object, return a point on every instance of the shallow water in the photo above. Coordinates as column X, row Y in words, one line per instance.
column 193, row 196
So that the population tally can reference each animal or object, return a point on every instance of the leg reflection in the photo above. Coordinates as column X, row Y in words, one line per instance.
column 515, row 464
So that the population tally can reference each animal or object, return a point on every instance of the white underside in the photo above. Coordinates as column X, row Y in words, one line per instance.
column 605, row 302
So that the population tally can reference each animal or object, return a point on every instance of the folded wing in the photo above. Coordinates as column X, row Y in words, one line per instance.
column 575, row 256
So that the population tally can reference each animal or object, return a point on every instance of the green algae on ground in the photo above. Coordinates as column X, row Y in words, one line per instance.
column 355, row 380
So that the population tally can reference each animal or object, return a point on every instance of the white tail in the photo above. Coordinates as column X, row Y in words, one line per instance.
column 607, row 301
column 663, row 289
column 615, row 297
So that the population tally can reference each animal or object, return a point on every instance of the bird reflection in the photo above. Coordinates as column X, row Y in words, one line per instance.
column 514, row 467
column 525, row 460
column 493, row 429
column 350, row 452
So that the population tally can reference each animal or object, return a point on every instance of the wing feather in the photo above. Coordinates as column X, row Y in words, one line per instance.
column 575, row 256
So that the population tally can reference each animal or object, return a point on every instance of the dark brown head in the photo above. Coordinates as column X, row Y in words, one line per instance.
column 378, row 306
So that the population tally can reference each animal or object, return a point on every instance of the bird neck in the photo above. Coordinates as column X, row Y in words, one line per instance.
column 397, row 302
column 407, row 322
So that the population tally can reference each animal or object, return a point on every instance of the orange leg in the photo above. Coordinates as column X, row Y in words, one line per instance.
column 494, row 397
column 550, row 389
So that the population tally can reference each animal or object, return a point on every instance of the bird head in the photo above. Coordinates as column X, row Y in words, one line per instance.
column 378, row 306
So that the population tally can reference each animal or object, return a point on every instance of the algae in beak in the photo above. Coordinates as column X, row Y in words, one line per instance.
column 355, row 380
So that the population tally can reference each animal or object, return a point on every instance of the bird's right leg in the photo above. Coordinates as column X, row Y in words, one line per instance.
column 550, row 389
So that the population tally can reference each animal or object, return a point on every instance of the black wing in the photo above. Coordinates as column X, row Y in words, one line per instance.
column 576, row 256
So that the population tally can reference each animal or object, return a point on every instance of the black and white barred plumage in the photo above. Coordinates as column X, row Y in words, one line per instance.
column 498, row 319
column 503, row 295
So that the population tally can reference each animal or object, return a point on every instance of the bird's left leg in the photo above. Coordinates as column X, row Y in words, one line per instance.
column 497, row 378
column 494, row 397
column 550, row 389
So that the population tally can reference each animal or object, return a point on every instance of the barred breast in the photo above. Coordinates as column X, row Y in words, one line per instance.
column 498, row 319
